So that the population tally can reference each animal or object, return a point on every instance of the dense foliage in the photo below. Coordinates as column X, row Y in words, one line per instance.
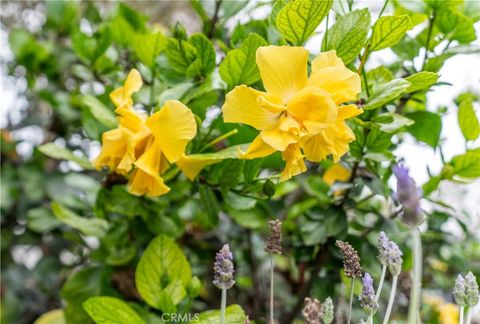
column 76, row 240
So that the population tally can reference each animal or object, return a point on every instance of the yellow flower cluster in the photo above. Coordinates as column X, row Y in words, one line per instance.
column 298, row 115
column 142, row 147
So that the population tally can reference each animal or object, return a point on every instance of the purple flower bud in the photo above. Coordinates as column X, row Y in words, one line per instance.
column 367, row 298
column 223, row 268
column 409, row 196
column 389, row 254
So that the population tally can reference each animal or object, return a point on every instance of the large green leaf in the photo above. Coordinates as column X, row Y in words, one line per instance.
column 41, row 220
column 467, row 165
column 61, row 153
column 420, row 81
column 386, row 93
column 148, row 46
column 392, row 122
column 388, row 31
column 427, row 127
column 239, row 65
column 99, row 111
column 163, row 274
column 205, row 56
column 298, row 20
column 467, row 119
column 456, row 25
column 348, row 35
column 110, row 310
column 88, row 226
column 234, row 314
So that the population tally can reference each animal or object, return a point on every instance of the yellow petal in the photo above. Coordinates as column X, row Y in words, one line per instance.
column 122, row 95
column 336, row 172
column 173, row 127
column 333, row 141
column 283, row 133
column 142, row 183
column 243, row 105
column 348, row 111
column 192, row 166
column 283, row 70
column 118, row 151
column 295, row 163
column 342, row 84
column 257, row 149
column 313, row 107
column 146, row 179
column 326, row 59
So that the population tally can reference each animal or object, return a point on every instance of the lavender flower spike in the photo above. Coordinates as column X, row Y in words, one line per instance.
column 223, row 268
column 409, row 196
column 367, row 298
column 459, row 291
column 389, row 254
column 472, row 294
column 328, row 311
column 312, row 311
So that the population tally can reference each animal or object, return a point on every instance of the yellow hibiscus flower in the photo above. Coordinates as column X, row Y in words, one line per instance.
column 146, row 144
column 300, row 116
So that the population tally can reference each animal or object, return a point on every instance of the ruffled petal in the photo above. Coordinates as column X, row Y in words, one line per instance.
column 118, row 151
column 336, row 172
column 295, row 163
column 313, row 107
column 173, row 127
column 191, row 166
column 348, row 111
column 122, row 95
column 249, row 106
column 283, row 70
column 285, row 132
column 326, row 59
column 342, row 84
column 257, row 149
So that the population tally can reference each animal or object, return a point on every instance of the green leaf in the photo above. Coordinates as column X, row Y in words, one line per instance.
column 41, row 220
column 234, row 314
column 298, row 20
column 467, row 165
column 110, row 310
column 254, row 218
column 427, row 127
column 162, row 274
column 420, row 81
column 210, row 207
column 239, row 65
column 99, row 111
column 456, row 25
column 431, row 185
column 392, row 122
column 180, row 54
column 389, row 30
column 61, row 153
column 348, row 35
column 205, row 56
column 387, row 93
column 467, row 119
column 88, row 226
column 148, row 46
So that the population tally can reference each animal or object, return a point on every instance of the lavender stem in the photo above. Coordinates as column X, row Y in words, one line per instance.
column 380, row 284
column 352, row 283
column 460, row 320
column 391, row 300
column 223, row 306
column 271, row 289
column 413, row 310
column 469, row 315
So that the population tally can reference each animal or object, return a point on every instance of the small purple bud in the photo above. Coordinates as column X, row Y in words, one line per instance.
column 367, row 298
column 389, row 254
column 223, row 268
column 409, row 196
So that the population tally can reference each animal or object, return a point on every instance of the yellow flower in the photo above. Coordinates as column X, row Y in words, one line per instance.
column 448, row 313
column 298, row 115
column 336, row 172
column 147, row 145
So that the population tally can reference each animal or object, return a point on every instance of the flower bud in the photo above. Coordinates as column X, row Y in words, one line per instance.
column 367, row 298
column 312, row 311
column 351, row 260
column 274, row 240
column 459, row 291
column 471, row 290
column 328, row 311
column 409, row 196
column 389, row 254
column 223, row 268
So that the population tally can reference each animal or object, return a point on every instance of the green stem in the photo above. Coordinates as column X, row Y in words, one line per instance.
column 152, row 90
column 415, row 291
column 325, row 43
column 380, row 284
column 469, row 315
column 370, row 319
column 383, row 9
column 271, row 289
column 429, row 36
column 222, row 309
column 460, row 319
column 352, row 283
column 391, row 300
column 219, row 139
